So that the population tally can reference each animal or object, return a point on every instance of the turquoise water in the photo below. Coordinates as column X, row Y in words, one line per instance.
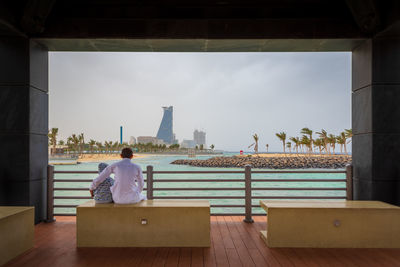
column 162, row 163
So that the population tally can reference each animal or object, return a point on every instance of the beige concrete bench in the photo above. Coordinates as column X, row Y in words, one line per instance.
column 332, row 224
column 16, row 231
column 151, row 223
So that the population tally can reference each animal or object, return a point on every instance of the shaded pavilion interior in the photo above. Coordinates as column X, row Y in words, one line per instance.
column 30, row 29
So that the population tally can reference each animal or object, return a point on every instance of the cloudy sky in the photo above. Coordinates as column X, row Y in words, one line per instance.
column 229, row 95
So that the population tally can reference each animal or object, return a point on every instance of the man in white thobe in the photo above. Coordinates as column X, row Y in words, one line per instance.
column 128, row 180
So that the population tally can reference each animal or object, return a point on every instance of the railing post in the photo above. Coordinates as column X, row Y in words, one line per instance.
column 149, row 182
column 247, row 182
column 349, row 182
column 50, row 194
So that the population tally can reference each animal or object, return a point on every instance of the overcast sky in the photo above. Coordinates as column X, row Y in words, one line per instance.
column 229, row 95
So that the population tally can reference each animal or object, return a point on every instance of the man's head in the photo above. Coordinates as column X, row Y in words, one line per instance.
column 126, row 153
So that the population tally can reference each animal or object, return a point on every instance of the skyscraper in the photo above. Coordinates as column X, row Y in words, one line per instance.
column 199, row 137
column 165, row 131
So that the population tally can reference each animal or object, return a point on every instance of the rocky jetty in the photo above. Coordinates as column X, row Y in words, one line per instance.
column 300, row 162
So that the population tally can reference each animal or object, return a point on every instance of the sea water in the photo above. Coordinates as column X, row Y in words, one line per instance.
column 162, row 163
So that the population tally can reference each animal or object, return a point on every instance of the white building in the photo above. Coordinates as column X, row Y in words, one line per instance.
column 149, row 139
column 132, row 140
column 188, row 143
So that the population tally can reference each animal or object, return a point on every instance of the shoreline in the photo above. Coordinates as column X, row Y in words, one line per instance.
column 104, row 157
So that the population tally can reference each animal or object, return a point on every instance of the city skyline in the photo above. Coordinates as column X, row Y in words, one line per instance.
column 229, row 95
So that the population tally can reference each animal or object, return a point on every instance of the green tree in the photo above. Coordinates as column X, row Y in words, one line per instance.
column 282, row 137
column 212, row 147
column 348, row 135
column 267, row 146
column 332, row 142
column 201, row 147
column 255, row 144
column 91, row 144
column 306, row 141
column 289, row 146
column 61, row 142
column 319, row 143
column 296, row 142
column 308, row 132
column 324, row 136
column 341, row 140
column 53, row 132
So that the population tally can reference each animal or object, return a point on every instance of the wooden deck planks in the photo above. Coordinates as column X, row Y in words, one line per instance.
column 233, row 243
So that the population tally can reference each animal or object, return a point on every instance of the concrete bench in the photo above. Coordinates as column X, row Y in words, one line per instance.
column 151, row 223
column 16, row 231
column 331, row 224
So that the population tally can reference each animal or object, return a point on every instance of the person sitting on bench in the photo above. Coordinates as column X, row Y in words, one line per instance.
column 128, row 179
column 102, row 194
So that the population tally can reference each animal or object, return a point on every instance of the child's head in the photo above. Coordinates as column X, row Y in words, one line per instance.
column 126, row 153
column 102, row 166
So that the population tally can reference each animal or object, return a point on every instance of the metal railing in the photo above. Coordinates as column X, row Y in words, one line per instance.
column 247, row 189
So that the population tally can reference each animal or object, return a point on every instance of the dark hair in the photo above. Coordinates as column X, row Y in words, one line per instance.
column 126, row 152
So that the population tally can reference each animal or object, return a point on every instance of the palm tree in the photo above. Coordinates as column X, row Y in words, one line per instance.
column 75, row 141
column 212, row 147
column 115, row 146
column 99, row 146
column 296, row 142
column 289, row 146
column 324, row 136
column 319, row 143
column 53, row 139
column 332, row 142
column 255, row 144
column 282, row 137
column 308, row 132
column 306, row 142
column 91, row 144
column 341, row 140
column 348, row 135
column 267, row 146
column 81, row 139
column 61, row 142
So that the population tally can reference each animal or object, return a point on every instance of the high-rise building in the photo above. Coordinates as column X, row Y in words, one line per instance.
column 199, row 137
column 165, row 131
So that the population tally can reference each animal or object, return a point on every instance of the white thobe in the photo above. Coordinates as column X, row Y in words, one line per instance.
column 128, row 181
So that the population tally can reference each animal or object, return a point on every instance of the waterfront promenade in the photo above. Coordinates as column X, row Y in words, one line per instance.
column 233, row 243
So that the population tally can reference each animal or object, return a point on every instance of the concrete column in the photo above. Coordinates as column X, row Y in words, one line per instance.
column 23, row 123
column 376, row 119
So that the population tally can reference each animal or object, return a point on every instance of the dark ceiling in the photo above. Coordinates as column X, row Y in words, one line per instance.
column 208, row 20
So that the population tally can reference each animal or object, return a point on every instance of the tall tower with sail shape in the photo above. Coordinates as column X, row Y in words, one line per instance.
column 165, row 132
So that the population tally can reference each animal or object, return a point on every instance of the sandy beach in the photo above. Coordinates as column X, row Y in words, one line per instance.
column 105, row 157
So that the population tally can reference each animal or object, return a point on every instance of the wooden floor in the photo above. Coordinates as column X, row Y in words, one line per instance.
column 234, row 243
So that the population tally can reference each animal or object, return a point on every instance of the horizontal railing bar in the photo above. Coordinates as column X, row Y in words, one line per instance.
column 299, row 188
column 75, row 189
column 211, row 214
column 297, row 197
column 73, row 180
column 65, row 206
column 197, row 188
column 197, row 180
column 72, row 197
column 302, row 171
column 227, row 206
column 202, row 172
column 298, row 180
column 212, row 206
column 199, row 197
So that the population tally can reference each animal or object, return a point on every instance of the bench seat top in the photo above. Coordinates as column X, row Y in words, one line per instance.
column 157, row 203
column 340, row 204
column 6, row 211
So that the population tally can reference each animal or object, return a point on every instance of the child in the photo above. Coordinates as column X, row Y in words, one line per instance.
column 102, row 193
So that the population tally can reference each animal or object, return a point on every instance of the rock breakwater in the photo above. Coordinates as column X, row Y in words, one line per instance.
column 302, row 162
